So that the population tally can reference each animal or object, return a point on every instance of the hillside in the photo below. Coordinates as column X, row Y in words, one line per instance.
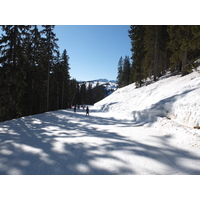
column 172, row 97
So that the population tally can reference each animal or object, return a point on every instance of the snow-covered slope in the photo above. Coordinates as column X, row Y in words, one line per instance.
column 174, row 97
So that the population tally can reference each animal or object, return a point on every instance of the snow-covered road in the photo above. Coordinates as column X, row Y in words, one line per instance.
column 63, row 142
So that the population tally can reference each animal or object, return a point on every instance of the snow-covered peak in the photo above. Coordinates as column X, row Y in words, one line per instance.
column 110, row 86
column 105, row 80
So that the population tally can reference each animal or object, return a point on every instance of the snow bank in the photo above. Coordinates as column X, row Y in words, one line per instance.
column 175, row 97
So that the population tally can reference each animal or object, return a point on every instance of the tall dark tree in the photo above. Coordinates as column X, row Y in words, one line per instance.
column 156, row 57
column 65, row 79
column 60, row 80
column 99, row 92
column 83, row 93
column 120, row 73
column 126, row 71
column 150, row 56
column 184, row 40
column 90, row 95
column 35, row 76
column 13, row 71
column 74, row 92
column 50, row 48
column 136, row 34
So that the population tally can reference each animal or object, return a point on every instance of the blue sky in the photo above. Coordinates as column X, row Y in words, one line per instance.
column 94, row 50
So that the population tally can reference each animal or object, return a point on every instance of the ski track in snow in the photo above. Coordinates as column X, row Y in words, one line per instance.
column 67, row 143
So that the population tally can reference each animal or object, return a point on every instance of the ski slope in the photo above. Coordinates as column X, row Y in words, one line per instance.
column 67, row 143
column 149, row 130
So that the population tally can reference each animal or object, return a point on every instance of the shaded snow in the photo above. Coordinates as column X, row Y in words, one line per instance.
column 63, row 142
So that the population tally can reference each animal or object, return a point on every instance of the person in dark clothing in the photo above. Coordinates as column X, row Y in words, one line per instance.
column 75, row 108
column 87, row 111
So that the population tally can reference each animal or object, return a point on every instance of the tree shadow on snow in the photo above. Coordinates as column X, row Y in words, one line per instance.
column 59, row 143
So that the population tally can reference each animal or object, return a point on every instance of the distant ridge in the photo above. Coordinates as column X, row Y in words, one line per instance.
column 109, row 86
column 100, row 80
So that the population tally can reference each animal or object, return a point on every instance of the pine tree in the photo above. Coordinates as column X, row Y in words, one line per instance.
column 13, row 71
column 37, row 72
column 156, row 58
column 90, row 95
column 184, row 40
column 74, row 90
column 56, row 83
column 35, row 79
column 150, row 55
column 65, row 79
column 99, row 92
column 50, row 48
column 120, row 73
column 136, row 34
column 126, row 71
column 83, row 91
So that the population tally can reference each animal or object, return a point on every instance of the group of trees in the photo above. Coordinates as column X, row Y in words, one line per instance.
column 34, row 77
column 87, row 94
column 158, row 48
column 124, row 72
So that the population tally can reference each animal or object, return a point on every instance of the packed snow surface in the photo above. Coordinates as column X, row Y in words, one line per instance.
column 63, row 142
column 133, row 131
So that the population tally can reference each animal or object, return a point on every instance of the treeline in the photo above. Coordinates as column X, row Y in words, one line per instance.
column 86, row 94
column 160, row 48
column 34, row 76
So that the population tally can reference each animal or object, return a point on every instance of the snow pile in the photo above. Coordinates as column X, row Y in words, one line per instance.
column 176, row 98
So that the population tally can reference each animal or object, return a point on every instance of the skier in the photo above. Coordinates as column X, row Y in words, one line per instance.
column 87, row 111
column 75, row 108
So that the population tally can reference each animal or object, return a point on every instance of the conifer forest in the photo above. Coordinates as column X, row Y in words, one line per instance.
column 34, row 74
column 157, row 49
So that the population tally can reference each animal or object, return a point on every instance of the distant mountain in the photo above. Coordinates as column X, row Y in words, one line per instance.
column 106, row 80
column 109, row 86
column 100, row 80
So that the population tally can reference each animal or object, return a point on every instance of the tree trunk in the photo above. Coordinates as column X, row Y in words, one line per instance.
column 48, row 76
column 156, row 54
column 63, row 85
column 58, row 100
column 184, row 62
